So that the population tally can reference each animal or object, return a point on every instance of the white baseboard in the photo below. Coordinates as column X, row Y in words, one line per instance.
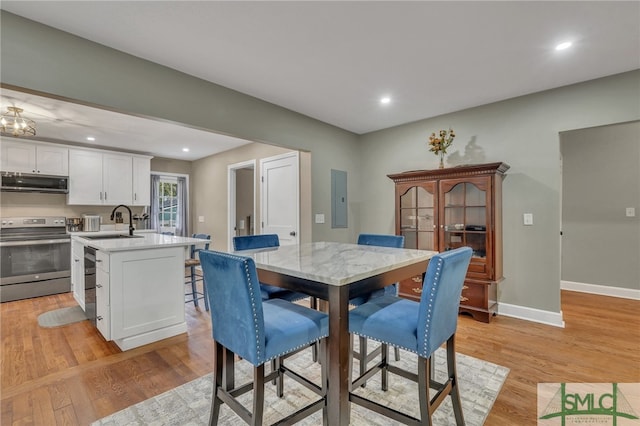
column 531, row 314
column 603, row 290
column 127, row 343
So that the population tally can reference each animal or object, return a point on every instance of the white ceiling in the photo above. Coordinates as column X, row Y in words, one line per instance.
column 66, row 122
column 333, row 60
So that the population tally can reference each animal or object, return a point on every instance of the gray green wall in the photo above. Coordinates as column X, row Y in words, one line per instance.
column 79, row 70
column 600, row 179
column 524, row 133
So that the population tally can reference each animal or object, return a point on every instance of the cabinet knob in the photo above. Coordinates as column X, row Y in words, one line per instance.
column 76, row 260
column 463, row 299
column 99, row 318
column 417, row 290
column 98, row 260
column 417, row 279
column 465, row 287
column 98, row 285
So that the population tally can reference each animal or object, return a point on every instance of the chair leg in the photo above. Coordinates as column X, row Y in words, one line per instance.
column 362, row 341
column 279, row 380
column 353, row 355
column 258, row 395
column 384, row 348
column 424, row 374
column 218, row 362
column 228, row 373
column 324, row 377
column 193, row 286
column 204, row 293
column 455, row 390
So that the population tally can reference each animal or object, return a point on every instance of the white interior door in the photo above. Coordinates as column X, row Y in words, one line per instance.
column 280, row 197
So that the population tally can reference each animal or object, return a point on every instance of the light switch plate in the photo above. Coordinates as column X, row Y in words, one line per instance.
column 319, row 218
column 201, row 219
column 631, row 211
column 528, row 218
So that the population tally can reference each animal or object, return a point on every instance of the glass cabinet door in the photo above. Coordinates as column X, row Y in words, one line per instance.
column 417, row 215
column 464, row 215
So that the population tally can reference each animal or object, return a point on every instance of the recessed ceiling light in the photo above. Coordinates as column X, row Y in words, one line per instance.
column 91, row 138
column 564, row 45
column 385, row 100
column 185, row 149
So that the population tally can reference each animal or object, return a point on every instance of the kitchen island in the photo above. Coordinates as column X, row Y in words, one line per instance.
column 139, row 285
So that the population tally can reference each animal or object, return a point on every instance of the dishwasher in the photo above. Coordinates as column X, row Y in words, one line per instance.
column 90, row 283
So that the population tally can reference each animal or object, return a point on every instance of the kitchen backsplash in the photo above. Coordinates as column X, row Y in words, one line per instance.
column 36, row 204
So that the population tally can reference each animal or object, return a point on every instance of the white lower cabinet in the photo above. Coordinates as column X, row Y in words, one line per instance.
column 77, row 272
column 103, row 313
column 140, row 296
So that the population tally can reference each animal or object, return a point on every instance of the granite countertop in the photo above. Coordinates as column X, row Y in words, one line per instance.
column 335, row 263
column 144, row 241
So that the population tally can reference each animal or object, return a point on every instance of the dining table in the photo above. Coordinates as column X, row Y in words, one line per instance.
column 336, row 272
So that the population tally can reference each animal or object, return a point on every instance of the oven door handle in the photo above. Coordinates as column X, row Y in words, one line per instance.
column 34, row 242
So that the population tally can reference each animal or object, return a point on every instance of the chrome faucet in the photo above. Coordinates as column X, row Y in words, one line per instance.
column 113, row 212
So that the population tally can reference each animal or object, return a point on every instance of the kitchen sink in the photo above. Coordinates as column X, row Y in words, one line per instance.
column 110, row 237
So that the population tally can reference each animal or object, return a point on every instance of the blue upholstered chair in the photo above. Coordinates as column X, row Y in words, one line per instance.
column 381, row 240
column 420, row 328
column 193, row 295
column 258, row 331
column 252, row 242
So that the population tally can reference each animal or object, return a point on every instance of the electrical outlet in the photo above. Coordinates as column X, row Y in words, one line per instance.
column 528, row 218
column 319, row 218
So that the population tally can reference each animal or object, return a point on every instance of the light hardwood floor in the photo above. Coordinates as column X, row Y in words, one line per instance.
column 71, row 376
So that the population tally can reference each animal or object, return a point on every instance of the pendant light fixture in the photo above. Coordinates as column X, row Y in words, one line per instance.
column 14, row 124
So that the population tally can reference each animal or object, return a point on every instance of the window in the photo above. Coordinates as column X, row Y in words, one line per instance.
column 169, row 204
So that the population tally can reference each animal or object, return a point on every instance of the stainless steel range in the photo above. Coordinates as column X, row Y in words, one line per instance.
column 36, row 257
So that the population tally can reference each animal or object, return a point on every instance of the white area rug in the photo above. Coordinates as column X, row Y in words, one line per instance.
column 189, row 404
column 62, row 316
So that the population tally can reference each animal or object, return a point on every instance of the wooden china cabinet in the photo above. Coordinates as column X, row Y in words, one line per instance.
column 444, row 209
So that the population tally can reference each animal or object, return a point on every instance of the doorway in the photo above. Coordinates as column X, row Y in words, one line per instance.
column 242, row 209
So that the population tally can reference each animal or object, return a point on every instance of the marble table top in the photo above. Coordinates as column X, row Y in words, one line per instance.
column 334, row 263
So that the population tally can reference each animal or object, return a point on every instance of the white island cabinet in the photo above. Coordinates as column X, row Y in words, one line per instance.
column 140, row 287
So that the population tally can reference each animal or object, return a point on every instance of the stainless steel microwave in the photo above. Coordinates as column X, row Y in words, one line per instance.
column 22, row 182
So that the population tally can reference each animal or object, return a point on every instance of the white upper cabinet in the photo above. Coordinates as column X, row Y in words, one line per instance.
column 106, row 178
column 117, row 179
column 37, row 158
column 141, row 181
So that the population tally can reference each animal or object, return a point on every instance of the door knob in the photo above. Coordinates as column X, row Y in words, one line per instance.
column 292, row 233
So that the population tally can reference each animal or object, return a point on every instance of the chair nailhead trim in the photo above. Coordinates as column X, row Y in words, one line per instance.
column 254, row 311
column 434, row 287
